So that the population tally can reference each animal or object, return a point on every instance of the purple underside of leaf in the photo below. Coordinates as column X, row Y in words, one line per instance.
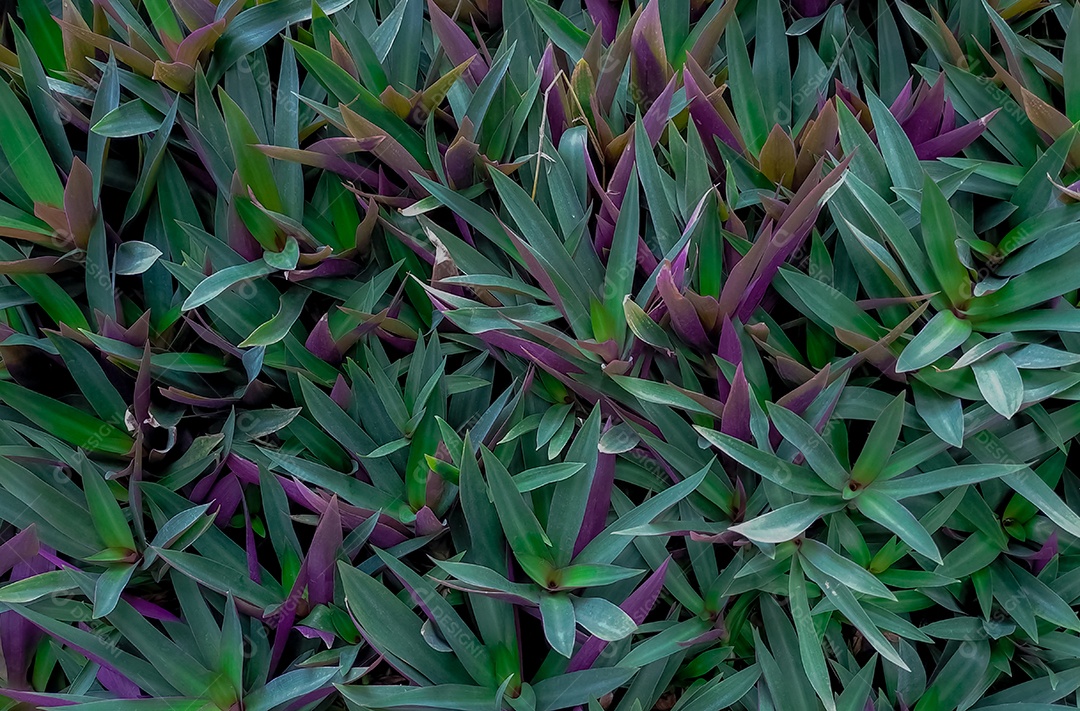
column 604, row 15
column 249, row 547
column 684, row 317
column 20, row 548
column 326, row 268
column 1045, row 554
column 788, row 235
column 460, row 160
column 948, row 119
column 923, row 121
column 901, row 105
column 340, row 393
column 637, row 605
column 322, row 555
column 811, row 8
column 284, row 617
column 148, row 609
column 648, row 57
column 599, row 503
column 950, row 143
column 457, row 45
column 707, row 120
column 321, row 343
column 19, row 636
column 241, row 240
column 736, row 417
column 226, row 496
column 198, row 325
column 427, row 523
column 679, row 262
column 556, row 112
column 730, row 350
column 326, row 638
column 529, row 350
column 536, row 270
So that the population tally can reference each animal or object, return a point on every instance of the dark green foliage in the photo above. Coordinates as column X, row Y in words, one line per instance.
column 510, row 354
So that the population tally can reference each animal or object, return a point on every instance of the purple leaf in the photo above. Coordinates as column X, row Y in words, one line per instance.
column 322, row 555
column 20, row 548
column 684, row 317
column 604, row 15
column 649, row 69
column 596, row 510
column 950, row 143
column 457, row 45
column 340, row 393
column 556, row 111
column 736, row 418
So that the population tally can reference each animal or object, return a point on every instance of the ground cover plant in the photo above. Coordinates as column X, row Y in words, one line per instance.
column 507, row 354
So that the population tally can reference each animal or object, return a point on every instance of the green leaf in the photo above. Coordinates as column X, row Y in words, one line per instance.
column 942, row 334
column 353, row 95
column 895, row 146
column 454, row 697
column 1070, row 63
column 604, row 619
column 41, row 99
column 274, row 330
column 65, row 421
column 133, row 118
column 393, row 628
column 560, row 623
column 880, row 442
column 785, row 474
column 105, row 512
column 252, row 165
column 772, row 66
column 810, row 650
column 607, row 546
column 721, row 692
column 745, row 96
column 786, row 522
column 935, row 481
column 523, row 531
column 91, row 380
column 846, row 603
column 38, row 586
column 215, row 284
column 222, row 578
column 134, row 258
column 660, row 393
column 109, row 587
column 467, row 648
column 888, row 512
column 842, row 570
column 818, row 454
column 21, row 144
column 45, row 35
column 1000, row 383
column 562, row 32
column 537, row 477
column 622, row 260
column 570, row 500
column 939, row 238
column 942, row 413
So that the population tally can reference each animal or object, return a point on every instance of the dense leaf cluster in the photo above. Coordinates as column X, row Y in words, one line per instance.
column 525, row 355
